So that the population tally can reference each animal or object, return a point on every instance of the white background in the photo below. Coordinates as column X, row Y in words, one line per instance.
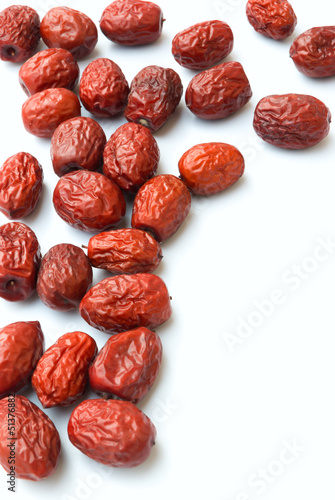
column 226, row 407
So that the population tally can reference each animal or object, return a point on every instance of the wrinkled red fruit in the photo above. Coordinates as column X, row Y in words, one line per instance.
column 313, row 52
column 89, row 201
column 114, row 433
column 203, row 44
column 155, row 93
column 211, row 167
column 124, row 251
column 291, row 121
column 127, row 365
column 19, row 33
column 20, row 258
column 103, row 88
column 69, row 29
column 125, row 302
column 161, row 206
column 51, row 68
column 132, row 22
column 37, row 443
column 77, row 144
column 131, row 156
column 61, row 375
column 43, row 112
column 219, row 91
column 64, row 277
column 272, row 18
column 21, row 346
column 21, row 179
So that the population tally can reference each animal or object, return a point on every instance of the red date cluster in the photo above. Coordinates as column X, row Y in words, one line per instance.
column 95, row 174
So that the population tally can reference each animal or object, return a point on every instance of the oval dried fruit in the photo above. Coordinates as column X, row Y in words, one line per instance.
column 77, row 144
column 161, row 206
column 132, row 22
column 127, row 365
column 114, row 433
column 203, row 44
column 292, row 121
column 125, row 302
column 313, row 52
column 36, row 440
column 131, row 156
column 89, row 201
column 21, row 346
column 21, row 179
column 211, row 167
column 103, row 88
column 51, row 68
column 272, row 18
column 69, row 29
column 155, row 92
column 219, row 91
column 20, row 258
column 64, row 277
column 124, row 251
column 61, row 375
column 44, row 111
column 19, row 33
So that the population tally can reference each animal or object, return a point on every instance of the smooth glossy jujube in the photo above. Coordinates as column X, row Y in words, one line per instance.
column 127, row 365
column 132, row 22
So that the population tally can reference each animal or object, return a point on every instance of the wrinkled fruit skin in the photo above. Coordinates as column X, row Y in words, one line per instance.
column 203, row 44
column 125, row 302
column 19, row 33
column 103, row 88
column 272, row 18
column 64, row 277
column 77, row 144
column 51, row 68
column 69, row 29
column 124, row 251
column 89, row 201
column 127, row 365
column 21, row 346
column 21, row 179
column 131, row 157
column 219, row 91
column 291, row 121
column 61, row 375
column 37, row 444
column 313, row 52
column 155, row 93
column 43, row 112
column 20, row 259
column 114, row 433
column 211, row 167
column 161, row 206
column 132, row 22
